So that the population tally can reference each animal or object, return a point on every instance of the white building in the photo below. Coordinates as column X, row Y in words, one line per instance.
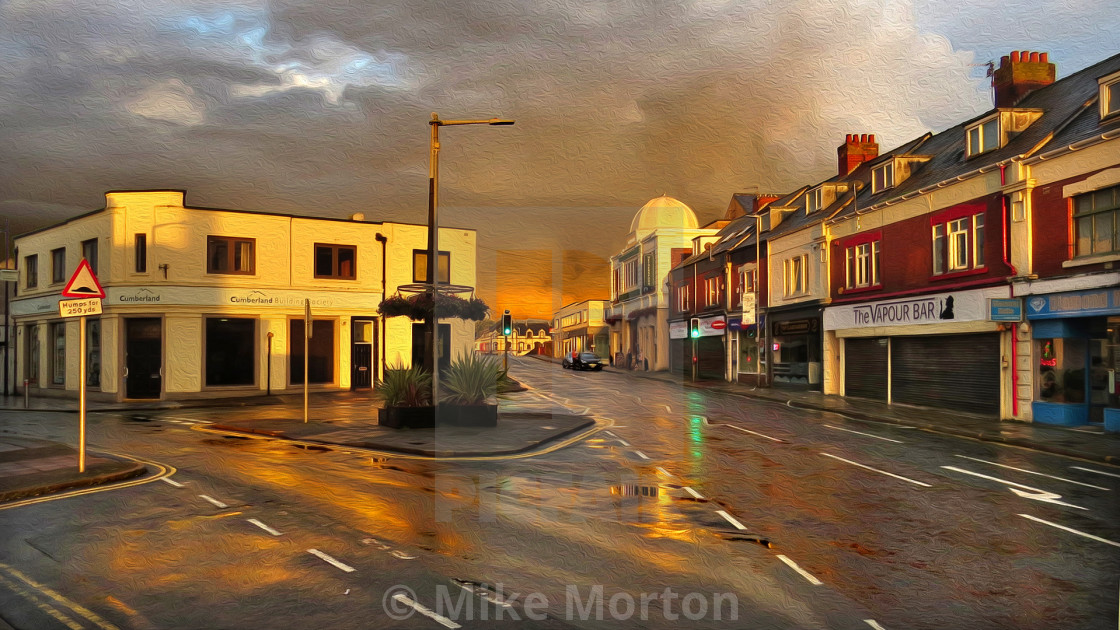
column 580, row 327
column 661, row 235
column 205, row 303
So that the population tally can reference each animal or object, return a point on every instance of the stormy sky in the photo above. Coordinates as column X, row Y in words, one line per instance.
column 321, row 107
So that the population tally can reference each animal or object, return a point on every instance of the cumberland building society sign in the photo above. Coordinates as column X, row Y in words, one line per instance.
column 215, row 296
column 939, row 308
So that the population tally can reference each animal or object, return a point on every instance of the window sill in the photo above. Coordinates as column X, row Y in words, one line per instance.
column 849, row 291
column 959, row 274
column 1091, row 260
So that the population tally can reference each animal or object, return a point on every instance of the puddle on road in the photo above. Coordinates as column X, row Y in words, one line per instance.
column 139, row 418
column 651, row 492
column 311, row 447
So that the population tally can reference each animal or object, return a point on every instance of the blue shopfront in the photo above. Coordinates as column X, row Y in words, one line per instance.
column 1076, row 338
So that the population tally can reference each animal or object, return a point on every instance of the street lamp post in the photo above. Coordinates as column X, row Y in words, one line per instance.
column 433, row 234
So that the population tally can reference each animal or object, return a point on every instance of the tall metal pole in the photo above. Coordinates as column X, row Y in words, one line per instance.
column 433, row 250
column 306, row 362
column 82, row 394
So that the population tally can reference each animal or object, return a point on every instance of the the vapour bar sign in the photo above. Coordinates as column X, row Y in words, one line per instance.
column 1074, row 304
column 939, row 308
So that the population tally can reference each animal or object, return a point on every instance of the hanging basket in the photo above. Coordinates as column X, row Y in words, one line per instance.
column 419, row 307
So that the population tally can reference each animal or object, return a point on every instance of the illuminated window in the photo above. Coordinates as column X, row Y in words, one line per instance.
column 1110, row 95
column 420, row 266
column 862, row 263
column 984, row 136
column 882, row 178
column 958, row 243
column 796, row 271
column 229, row 255
column 816, row 200
column 336, row 261
column 1096, row 218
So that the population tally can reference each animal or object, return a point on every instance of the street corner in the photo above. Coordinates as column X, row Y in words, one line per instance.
column 38, row 469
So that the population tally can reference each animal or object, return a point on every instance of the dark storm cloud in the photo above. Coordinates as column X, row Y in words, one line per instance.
column 321, row 107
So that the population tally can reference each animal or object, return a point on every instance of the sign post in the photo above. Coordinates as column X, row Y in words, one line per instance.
column 84, row 286
column 306, row 343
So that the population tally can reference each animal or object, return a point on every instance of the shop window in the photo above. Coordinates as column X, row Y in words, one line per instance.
column 320, row 352
column 335, row 261
column 58, row 265
column 229, row 255
column 230, row 351
column 58, row 353
column 89, row 252
column 34, row 354
column 1096, row 218
column 958, row 243
column 1061, row 370
column 93, row 353
column 31, row 271
column 420, row 266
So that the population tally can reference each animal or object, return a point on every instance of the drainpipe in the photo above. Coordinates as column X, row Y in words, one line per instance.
column 1005, row 211
column 381, row 238
column 732, row 363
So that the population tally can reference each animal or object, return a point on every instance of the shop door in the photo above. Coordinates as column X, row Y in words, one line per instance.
column 958, row 372
column 865, row 367
column 711, row 359
column 143, row 358
column 363, row 341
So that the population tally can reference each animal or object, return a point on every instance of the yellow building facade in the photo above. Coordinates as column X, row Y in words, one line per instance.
column 205, row 302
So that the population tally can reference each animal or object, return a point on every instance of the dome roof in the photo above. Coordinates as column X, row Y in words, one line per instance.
column 663, row 212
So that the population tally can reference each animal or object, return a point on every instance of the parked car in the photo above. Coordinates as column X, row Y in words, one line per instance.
column 582, row 361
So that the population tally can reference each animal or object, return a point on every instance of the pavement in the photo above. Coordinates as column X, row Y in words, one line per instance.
column 517, row 432
column 31, row 467
column 1088, row 442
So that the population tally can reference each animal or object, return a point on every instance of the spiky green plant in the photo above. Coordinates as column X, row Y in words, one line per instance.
column 405, row 387
column 470, row 380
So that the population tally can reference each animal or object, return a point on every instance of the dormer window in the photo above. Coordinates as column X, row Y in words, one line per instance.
column 882, row 177
column 1110, row 95
column 984, row 136
column 816, row 200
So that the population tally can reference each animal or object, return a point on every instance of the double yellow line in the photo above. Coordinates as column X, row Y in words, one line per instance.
column 48, row 600
column 163, row 471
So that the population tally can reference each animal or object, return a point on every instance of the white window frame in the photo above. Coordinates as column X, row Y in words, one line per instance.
column 1109, row 95
column 711, row 287
column 815, row 201
column 961, row 242
column 990, row 126
column 682, row 298
column 882, row 177
column 796, row 275
column 861, row 265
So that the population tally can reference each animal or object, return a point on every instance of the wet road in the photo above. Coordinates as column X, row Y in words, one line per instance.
column 783, row 518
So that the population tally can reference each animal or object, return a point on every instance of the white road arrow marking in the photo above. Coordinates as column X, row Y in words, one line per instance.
column 1071, row 530
column 1030, row 493
column 1031, row 472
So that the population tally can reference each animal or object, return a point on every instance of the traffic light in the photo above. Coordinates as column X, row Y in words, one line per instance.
column 507, row 324
column 694, row 328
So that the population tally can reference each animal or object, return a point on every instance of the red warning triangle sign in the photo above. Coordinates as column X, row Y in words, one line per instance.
column 83, row 284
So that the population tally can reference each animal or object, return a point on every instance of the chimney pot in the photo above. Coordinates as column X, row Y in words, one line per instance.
column 872, row 137
column 1004, row 60
column 863, row 138
column 1034, row 57
column 1044, row 57
column 1014, row 56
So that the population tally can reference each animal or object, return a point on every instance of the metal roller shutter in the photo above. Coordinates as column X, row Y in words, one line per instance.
column 947, row 371
column 865, row 367
column 712, row 357
column 680, row 357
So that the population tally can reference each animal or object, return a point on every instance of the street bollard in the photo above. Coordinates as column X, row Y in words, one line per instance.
column 26, row 395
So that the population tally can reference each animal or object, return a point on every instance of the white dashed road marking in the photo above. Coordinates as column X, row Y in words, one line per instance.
column 731, row 426
column 642, row 455
column 171, row 481
column 264, row 527
column 664, row 472
column 874, row 624
column 731, row 519
column 695, row 494
column 877, row 437
column 1071, row 530
column 1031, row 472
column 345, row 567
column 1099, row 472
column 882, row 472
column 424, row 610
column 216, row 502
column 802, row 572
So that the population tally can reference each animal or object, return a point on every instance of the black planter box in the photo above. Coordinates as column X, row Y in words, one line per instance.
column 468, row 415
column 407, row 417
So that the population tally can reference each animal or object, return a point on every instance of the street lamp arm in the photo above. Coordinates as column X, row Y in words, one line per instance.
column 491, row 121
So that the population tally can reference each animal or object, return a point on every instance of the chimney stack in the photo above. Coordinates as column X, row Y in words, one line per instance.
column 1019, row 74
column 857, row 148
